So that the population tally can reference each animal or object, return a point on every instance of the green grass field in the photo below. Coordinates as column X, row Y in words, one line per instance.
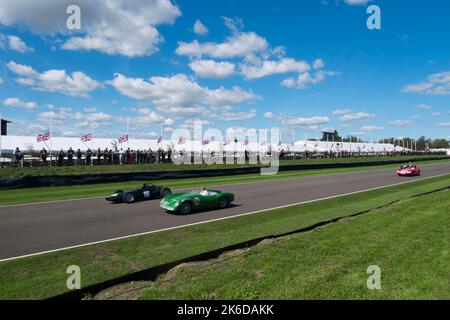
column 44, row 275
column 409, row 241
column 14, row 172
column 31, row 195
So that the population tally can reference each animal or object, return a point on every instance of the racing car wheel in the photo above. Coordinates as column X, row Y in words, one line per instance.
column 185, row 208
column 223, row 203
column 129, row 197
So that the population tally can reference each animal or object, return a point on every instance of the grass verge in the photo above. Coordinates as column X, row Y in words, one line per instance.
column 44, row 275
column 409, row 241
column 31, row 195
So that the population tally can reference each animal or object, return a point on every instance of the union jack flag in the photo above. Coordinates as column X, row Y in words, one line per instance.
column 181, row 140
column 87, row 137
column 206, row 141
column 43, row 137
column 123, row 138
column 245, row 142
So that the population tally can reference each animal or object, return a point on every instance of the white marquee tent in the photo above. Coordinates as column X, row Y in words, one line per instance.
column 9, row 143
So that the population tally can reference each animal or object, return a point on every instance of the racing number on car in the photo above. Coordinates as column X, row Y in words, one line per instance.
column 146, row 194
column 196, row 201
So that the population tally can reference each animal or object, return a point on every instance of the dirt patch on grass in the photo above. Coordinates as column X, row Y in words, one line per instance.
column 125, row 291
column 103, row 253
column 266, row 242
column 169, row 275
column 230, row 254
column 259, row 273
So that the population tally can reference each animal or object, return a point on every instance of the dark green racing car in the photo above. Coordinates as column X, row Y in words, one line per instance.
column 199, row 199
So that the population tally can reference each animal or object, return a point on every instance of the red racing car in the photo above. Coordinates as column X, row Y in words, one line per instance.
column 408, row 170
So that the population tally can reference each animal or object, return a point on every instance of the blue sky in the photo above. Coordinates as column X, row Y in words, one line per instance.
column 303, row 66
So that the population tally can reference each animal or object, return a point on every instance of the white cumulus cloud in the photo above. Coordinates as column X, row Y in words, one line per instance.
column 75, row 84
column 212, row 69
column 269, row 115
column 306, row 121
column 179, row 94
column 200, row 28
column 318, row 64
column 237, row 45
column 371, row 128
column 270, row 67
column 16, row 102
column 342, row 111
column 306, row 79
column 116, row 27
column 355, row 116
column 15, row 43
column 435, row 84
column 400, row 123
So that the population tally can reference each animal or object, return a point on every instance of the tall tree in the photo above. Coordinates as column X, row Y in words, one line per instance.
column 439, row 144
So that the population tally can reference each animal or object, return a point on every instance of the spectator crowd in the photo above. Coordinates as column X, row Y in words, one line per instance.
column 106, row 156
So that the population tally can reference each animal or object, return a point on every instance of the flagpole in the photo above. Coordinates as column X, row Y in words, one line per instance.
column 128, row 137
column 51, row 139
column 161, row 133
column 92, row 134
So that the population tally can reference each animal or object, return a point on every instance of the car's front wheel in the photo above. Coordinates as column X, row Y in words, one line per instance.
column 129, row 198
column 185, row 208
column 223, row 203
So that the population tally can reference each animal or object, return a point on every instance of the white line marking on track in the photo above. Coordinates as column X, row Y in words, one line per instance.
column 219, row 219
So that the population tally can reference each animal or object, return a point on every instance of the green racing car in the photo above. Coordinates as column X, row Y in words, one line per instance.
column 199, row 199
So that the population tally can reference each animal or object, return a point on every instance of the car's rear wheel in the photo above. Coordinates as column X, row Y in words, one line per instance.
column 223, row 203
column 185, row 208
column 129, row 198
column 165, row 192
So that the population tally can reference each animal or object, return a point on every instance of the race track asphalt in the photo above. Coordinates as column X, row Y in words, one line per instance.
column 30, row 229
